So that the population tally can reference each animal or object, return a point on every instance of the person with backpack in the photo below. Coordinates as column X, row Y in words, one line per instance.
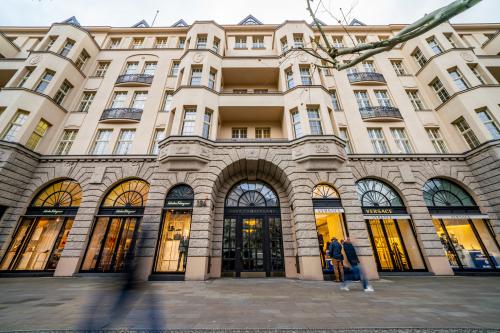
column 335, row 252
column 352, row 258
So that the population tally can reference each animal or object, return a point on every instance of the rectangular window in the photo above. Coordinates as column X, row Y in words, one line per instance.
column 66, row 141
column 298, row 40
column 362, row 99
column 440, row 90
column 101, row 141
column 62, row 92
column 15, row 125
column 378, row 141
column 290, row 83
column 137, row 43
column 488, row 121
column 402, row 141
column 196, row 76
column 161, row 42
column 305, row 75
column 207, row 122
column 239, row 133
column 50, row 42
column 167, row 101
column 240, row 42
column 361, row 39
column 419, row 57
column 335, row 101
column 258, row 42
column 398, row 67
column 114, row 43
column 297, row 126
column 119, row 100
column 314, row 120
column 201, row 42
column 131, row 68
column 175, row 68
column 459, row 79
column 467, row 133
column 27, row 73
column 382, row 38
column 87, row 98
column 344, row 135
column 216, row 45
column 211, row 78
column 181, row 43
column 437, row 140
column 149, row 68
column 338, row 42
column 368, row 66
column 102, row 67
column 434, row 45
column 67, row 47
column 124, row 141
column 284, row 44
column 44, row 81
column 383, row 98
column 139, row 100
column 451, row 40
column 37, row 135
column 158, row 136
column 263, row 133
column 82, row 59
column 189, row 121
column 415, row 100
column 476, row 70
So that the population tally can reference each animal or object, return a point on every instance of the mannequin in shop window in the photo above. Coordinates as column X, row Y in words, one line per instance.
column 183, row 248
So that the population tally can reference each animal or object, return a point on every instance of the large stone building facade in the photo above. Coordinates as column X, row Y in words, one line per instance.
column 217, row 151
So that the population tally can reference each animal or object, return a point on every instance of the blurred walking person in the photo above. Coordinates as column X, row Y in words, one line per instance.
column 357, row 270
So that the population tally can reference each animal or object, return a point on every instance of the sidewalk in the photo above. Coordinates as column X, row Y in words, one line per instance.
column 418, row 302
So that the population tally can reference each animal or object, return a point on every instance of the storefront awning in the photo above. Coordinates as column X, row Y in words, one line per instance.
column 387, row 216
column 459, row 216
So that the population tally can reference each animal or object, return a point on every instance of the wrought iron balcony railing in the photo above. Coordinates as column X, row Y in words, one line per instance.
column 122, row 114
column 135, row 78
column 382, row 112
column 365, row 77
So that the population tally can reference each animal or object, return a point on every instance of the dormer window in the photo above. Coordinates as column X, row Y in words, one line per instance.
column 298, row 40
column 241, row 42
column 258, row 42
column 137, row 43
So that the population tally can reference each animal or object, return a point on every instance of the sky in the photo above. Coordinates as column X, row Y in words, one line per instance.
column 125, row 13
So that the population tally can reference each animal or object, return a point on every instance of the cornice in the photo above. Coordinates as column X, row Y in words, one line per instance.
column 62, row 57
column 35, row 93
column 441, row 54
column 466, row 91
column 98, row 158
column 10, row 42
column 276, row 93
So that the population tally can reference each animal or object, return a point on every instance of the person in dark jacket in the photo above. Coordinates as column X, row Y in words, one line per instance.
column 335, row 252
column 352, row 258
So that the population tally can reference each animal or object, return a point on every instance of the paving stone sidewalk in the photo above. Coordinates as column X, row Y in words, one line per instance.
column 458, row 303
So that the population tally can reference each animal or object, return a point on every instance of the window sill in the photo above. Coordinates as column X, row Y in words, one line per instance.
column 241, row 48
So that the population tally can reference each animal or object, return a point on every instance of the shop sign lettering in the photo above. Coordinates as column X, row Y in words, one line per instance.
column 178, row 203
column 125, row 211
column 378, row 210
column 52, row 211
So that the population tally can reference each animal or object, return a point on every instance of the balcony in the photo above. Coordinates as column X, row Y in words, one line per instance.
column 366, row 78
column 134, row 80
column 121, row 115
column 380, row 113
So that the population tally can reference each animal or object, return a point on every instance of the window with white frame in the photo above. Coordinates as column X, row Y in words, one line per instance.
column 298, row 40
column 401, row 138
column 338, row 41
column 118, row 100
column 86, row 101
column 67, row 138
column 466, row 132
column 378, row 141
column 158, row 136
column 415, row 99
column 263, row 133
column 47, row 76
column 212, row 76
column 216, row 45
column 101, row 141
column 437, row 140
column 15, row 125
column 139, row 100
column 350, row 70
column 305, row 75
column 239, row 133
column 296, row 125
column 475, row 68
column 207, row 123
column 335, row 100
column 419, row 57
column 196, row 72
column 125, row 139
column 398, row 67
column 82, row 59
column 459, row 79
column 167, row 101
column 290, row 83
column 174, row 71
column 189, row 121
column 258, row 42
column 440, row 90
column 451, row 40
column 149, row 68
column 488, row 121
column 68, row 45
column 63, row 91
column 37, row 135
column 201, row 42
column 383, row 98
column 434, row 45
column 240, row 42
column 314, row 120
column 137, row 42
column 161, row 42
column 368, row 66
column 362, row 99
column 27, row 73
column 114, row 43
column 344, row 135
column 50, row 42
column 131, row 68
column 102, row 68
column 284, row 44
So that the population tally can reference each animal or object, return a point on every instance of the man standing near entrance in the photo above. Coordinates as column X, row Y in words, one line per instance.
column 335, row 252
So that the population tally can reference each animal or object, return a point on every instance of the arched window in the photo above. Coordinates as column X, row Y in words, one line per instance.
column 440, row 192
column 65, row 193
column 131, row 193
column 252, row 194
column 374, row 193
column 324, row 191
column 180, row 192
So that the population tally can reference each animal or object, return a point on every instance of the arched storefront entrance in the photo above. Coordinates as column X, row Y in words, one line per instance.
column 42, row 232
column 115, row 227
column 252, row 242
column 390, row 228
column 465, row 232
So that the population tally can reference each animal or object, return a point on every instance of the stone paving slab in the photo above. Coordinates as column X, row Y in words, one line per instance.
column 422, row 304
